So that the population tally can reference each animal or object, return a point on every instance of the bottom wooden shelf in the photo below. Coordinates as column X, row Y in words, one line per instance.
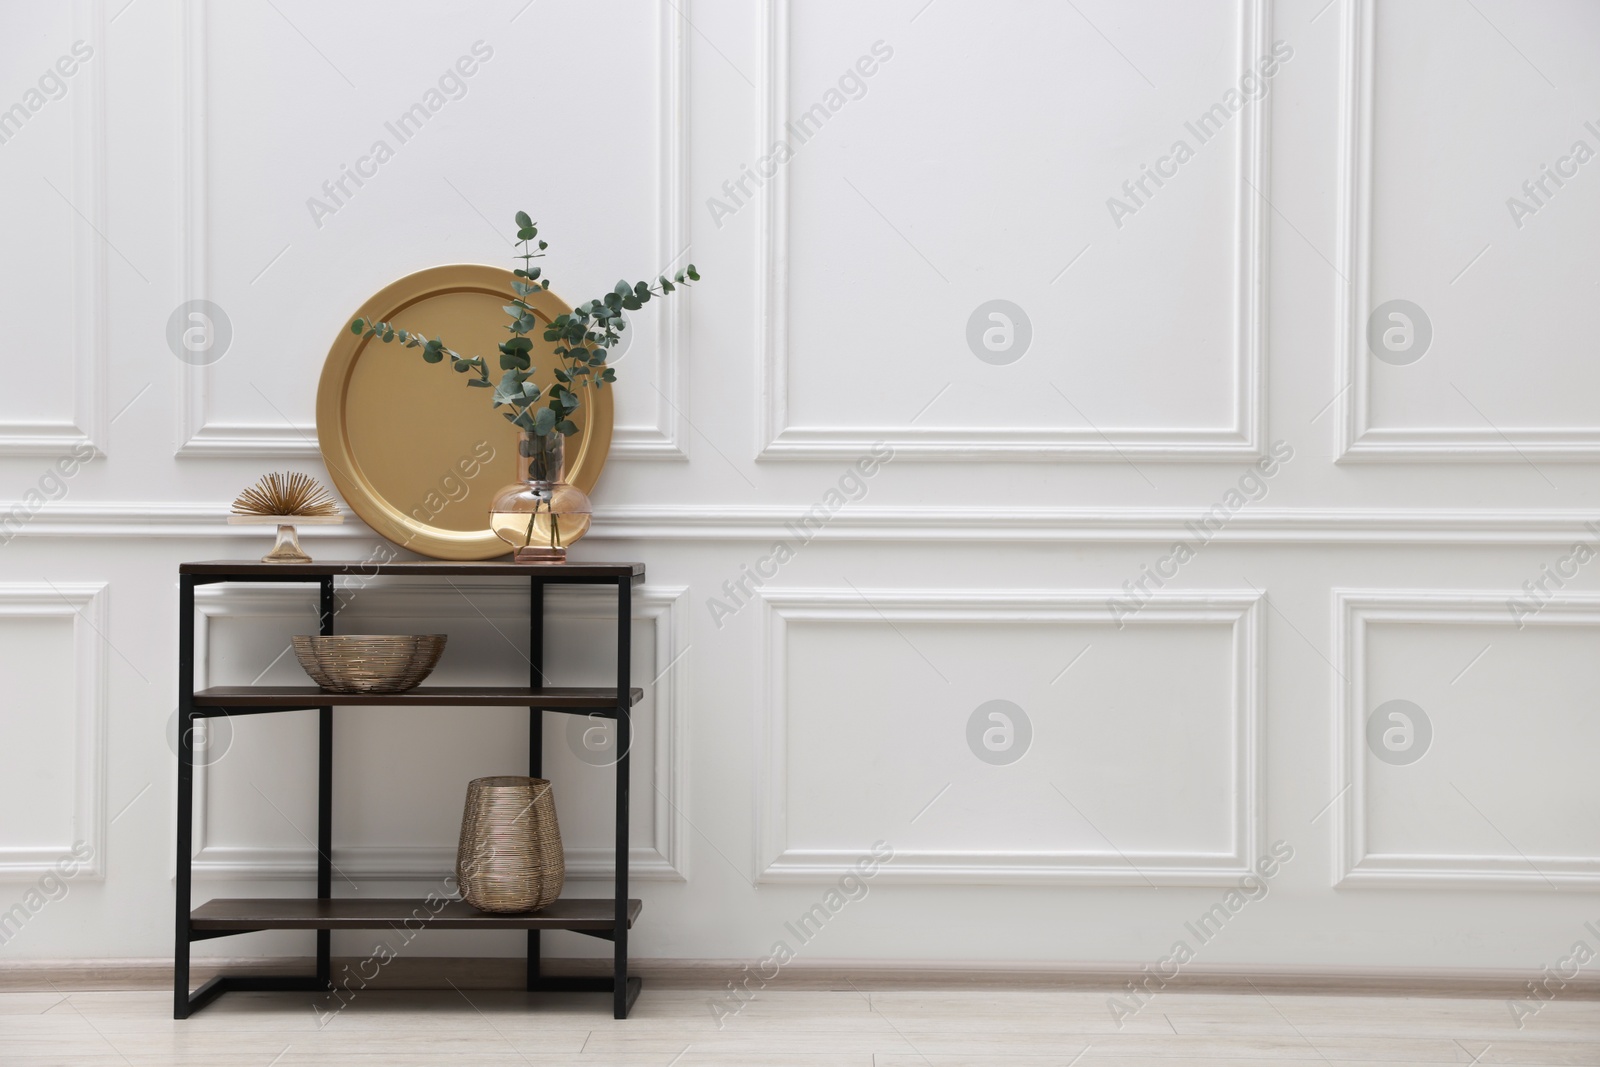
column 283, row 913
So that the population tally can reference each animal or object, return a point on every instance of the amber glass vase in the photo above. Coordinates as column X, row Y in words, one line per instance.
column 540, row 515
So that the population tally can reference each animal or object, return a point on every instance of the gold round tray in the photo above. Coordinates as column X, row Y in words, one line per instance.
column 414, row 451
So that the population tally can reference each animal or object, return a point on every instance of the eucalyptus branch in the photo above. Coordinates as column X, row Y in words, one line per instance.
column 583, row 339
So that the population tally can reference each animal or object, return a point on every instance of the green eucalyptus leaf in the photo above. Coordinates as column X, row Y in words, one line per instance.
column 544, row 421
column 523, row 219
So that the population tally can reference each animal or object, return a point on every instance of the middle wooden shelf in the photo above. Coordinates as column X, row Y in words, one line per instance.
column 309, row 697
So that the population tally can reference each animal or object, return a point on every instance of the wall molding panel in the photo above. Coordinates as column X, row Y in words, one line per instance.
column 1359, row 440
column 86, row 604
column 663, row 438
column 781, row 439
column 1194, row 207
column 778, row 862
column 1354, row 865
column 89, row 331
column 666, row 859
column 1389, row 526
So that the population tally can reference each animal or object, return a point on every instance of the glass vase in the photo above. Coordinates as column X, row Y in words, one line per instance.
column 540, row 515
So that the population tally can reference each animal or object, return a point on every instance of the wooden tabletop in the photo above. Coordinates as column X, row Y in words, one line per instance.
column 440, row 568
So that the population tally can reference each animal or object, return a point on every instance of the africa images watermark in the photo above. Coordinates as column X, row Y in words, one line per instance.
column 1555, row 978
column 50, row 86
column 1565, row 569
column 1156, row 976
column 451, row 85
column 851, row 886
column 1538, row 191
column 1399, row 732
column 1251, row 488
column 453, row 487
column 1253, row 85
column 851, row 85
column 383, row 953
column 50, row 887
column 851, row 486
column 51, row 485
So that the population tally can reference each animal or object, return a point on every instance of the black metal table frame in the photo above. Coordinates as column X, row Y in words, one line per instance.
column 624, row 990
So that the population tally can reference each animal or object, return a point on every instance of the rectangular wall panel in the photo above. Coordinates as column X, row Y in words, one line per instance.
column 1021, row 737
column 53, row 654
column 247, row 259
column 862, row 159
column 52, row 136
column 1467, row 221
column 1465, row 737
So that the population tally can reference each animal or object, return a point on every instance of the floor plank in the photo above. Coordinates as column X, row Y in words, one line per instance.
column 814, row 1028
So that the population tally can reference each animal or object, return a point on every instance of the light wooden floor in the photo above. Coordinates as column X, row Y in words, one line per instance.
column 843, row 1028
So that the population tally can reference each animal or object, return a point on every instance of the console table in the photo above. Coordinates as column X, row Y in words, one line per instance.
column 606, row 918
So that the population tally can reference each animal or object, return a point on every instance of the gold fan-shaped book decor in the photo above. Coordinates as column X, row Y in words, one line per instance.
column 288, row 500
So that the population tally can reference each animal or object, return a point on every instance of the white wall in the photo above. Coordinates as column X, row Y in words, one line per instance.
column 1218, row 321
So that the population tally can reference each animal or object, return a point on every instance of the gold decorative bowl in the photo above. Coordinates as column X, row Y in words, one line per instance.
column 369, row 663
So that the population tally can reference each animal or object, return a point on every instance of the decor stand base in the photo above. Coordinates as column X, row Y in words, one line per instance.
column 607, row 918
